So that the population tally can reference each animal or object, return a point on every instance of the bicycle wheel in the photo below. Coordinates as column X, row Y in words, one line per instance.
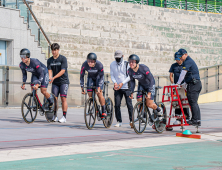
column 160, row 123
column 90, row 113
column 49, row 114
column 109, row 109
column 139, row 119
column 29, row 108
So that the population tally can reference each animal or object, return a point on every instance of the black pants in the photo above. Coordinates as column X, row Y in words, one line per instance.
column 185, row 110
column 193, row 91
column 118, row 98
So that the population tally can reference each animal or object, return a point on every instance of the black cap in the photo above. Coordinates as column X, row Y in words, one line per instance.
column 25, row 52
column 134, row 57
column 181, row 52
column 92, row 56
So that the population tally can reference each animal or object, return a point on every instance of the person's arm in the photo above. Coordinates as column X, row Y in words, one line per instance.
column 128, row 77
column 182, row 75
column 24, row 74
column 82, row 73
column 150, row 77
column 40, row 72
column 112, row 74
column 100, row 76
column 171, row 78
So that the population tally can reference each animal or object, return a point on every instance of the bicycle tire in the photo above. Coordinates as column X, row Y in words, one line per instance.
column 49, row 114
column 88, row 101
column 25, row 113
column 134, row 115
column 109, row 119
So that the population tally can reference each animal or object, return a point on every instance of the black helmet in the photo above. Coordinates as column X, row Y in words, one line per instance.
column 134, row 57
column 25, row 52
column 92, row 56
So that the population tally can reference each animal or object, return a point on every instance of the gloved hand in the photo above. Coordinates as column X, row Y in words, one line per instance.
column 184, row 85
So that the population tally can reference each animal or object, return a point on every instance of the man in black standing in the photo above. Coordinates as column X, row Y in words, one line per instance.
column 190, row 74
column 57, row 66
column 175, row 71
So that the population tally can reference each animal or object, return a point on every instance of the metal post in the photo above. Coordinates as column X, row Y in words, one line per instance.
column 185, row 4
column 49, row 50
column 7, row 85
column 39, row 36
column 154, row 3
column 165, row 3
column 207, row 81
column 107, row 76
column 158, row 86
column 206, row 6
column 126, row 1
column 218, row 77
column 16, row 4
column 28, row 17
column 147, row 2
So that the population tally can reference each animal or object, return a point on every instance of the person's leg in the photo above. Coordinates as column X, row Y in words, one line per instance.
column 128, row 103
column 102, row 103
column 193, row 92
column 44, row 86
column 118, row 98
column 55, row 91
column 63, row 94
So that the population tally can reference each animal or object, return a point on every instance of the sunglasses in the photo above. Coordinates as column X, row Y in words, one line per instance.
column 23, row 56
column 132, row 61
column 91, row 61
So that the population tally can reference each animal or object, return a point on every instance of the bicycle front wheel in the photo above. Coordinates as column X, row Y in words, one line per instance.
column 29, row 108
column 90, row 113
column 139, row 118
column 109, row 109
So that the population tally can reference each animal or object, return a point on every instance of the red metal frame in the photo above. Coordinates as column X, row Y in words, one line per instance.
column 172, row 89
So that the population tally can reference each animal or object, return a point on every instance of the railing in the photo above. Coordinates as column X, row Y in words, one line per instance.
column 12, row 94
column 33, row 24
column 194, row 5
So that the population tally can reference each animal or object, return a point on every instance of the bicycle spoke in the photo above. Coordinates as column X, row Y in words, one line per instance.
column 90, row 119
column 136, row 120
column 31, row 115
column 26, row 113
column 27, row 106
column 139, row 124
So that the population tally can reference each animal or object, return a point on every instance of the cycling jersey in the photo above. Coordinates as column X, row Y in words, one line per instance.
column 95, row 73
column 38, row 70
column 145, row 78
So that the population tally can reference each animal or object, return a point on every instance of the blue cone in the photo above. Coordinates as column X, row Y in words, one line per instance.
column 187, row 132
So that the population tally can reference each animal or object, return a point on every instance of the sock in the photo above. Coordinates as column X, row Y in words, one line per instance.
column 104, row 109
column 49, row 100
column 158, row 109
column 64, row 114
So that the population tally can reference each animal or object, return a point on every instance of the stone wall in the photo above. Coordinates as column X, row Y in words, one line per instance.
column 153, row 33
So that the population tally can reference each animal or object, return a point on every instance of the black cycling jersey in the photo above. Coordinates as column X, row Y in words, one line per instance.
column 144, row 76
column 96, row 73
column 56, row 65
column 35, row 67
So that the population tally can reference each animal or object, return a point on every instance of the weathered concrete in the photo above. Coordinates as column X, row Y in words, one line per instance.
column 101, row 26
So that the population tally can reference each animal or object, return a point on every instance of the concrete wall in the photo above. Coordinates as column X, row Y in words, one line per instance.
column 14, row 31
column 153, row 33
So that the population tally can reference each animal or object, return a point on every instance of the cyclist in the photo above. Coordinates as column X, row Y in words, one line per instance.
column 58, row 74
column 95, row 78
column 146, row 82
column 39, row 74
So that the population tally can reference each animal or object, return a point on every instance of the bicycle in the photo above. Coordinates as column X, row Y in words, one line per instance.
column 31, row 104
column 92, row 109
column 142, row 116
